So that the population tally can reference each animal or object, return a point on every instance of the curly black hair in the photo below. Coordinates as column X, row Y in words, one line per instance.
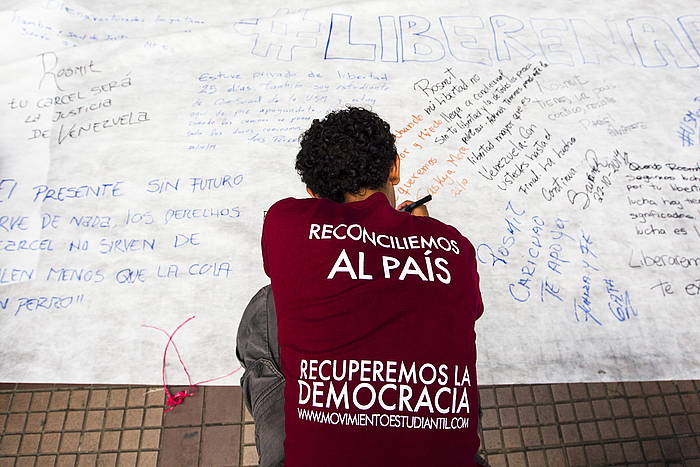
column 349, row 150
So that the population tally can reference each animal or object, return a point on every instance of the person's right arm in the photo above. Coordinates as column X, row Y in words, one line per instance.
column 421, row 210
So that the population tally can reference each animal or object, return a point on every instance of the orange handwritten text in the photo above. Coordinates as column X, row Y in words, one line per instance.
column 406, row 186
column 456, row 158
column 426, row 133
column 415, row 119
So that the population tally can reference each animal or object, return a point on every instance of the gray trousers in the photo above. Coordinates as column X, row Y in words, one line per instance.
column 262, row 383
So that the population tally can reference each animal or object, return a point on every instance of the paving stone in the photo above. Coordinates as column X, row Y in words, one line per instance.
column 570, row 433
column 133, row 418
column 150, row 439
column 54, row 421
column 674, row 404
column 689, row 447
column 74, row 420
column 516, row 459
column 187, row 413
column 523, row 395
column 492, row 439
column 114, row 419
column 29, row 444
column 626, row 428
column 671, row 449
column 40, row 401
column 247, row 417
column 148, row 459
column 555, row 457
column 527, row 415
column 20, row 402
column 154, row 417
column 94, row 419
column 90, row 442
column 638, row 407
column 576, row 456
column 583, row 410
column 130, row 440
column 565, row 413
column 508, row 417
column 5, row 400
column 550, row 434
column 531, row 436
column 691, row 402
column 497, row 460
column 155, row 397
column 248, row 434
column 560, row 392
column 650, row 387
column 35, row 422
column 15, row 422
column 588, row 430
column 69, row 442
column 652, row 450
column 614, row 453
column 633, row 451
column 601, row 408
column 595, row 455
column 578, row 391
column 546, row 414
column 49, row 442
column 87, row 460
column 9, row 444
column 250, row 456
column 663, row 426
column 536, row 458
column 127, row 459
column 180, row 446
column 620, row 408
column 667, row 387
column 596, row 390
column 222, row 405
column 511, row 438
column 98, row 399
column 137, row 397
column 504, row 396
column 107, row 460
column 543, row 394
column 117, row 398
column 109, row 441
column 45, row 461
column 78, row 399
column 220, row 445
column 633, row 388
column 645, row 428
column 67, row 460
column 487, row 397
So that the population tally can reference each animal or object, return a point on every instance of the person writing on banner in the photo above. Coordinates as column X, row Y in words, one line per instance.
column 374, row 309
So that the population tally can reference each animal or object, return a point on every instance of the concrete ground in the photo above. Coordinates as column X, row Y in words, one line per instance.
column 602, row 424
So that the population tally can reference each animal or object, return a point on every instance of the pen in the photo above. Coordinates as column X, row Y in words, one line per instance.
column 415, row 204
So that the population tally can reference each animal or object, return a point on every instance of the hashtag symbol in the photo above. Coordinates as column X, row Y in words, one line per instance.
column 686, row 135
column 283, row 32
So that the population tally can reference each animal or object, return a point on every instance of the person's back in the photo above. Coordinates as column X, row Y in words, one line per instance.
column 376, row 312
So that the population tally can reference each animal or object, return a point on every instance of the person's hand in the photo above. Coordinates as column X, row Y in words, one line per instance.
column 419, row 211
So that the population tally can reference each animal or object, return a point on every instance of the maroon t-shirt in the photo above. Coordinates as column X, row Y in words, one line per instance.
column 376, row 311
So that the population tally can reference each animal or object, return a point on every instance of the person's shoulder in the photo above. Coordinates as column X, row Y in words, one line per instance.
column 291, row 210
column 439, row 227
column 288, row 205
